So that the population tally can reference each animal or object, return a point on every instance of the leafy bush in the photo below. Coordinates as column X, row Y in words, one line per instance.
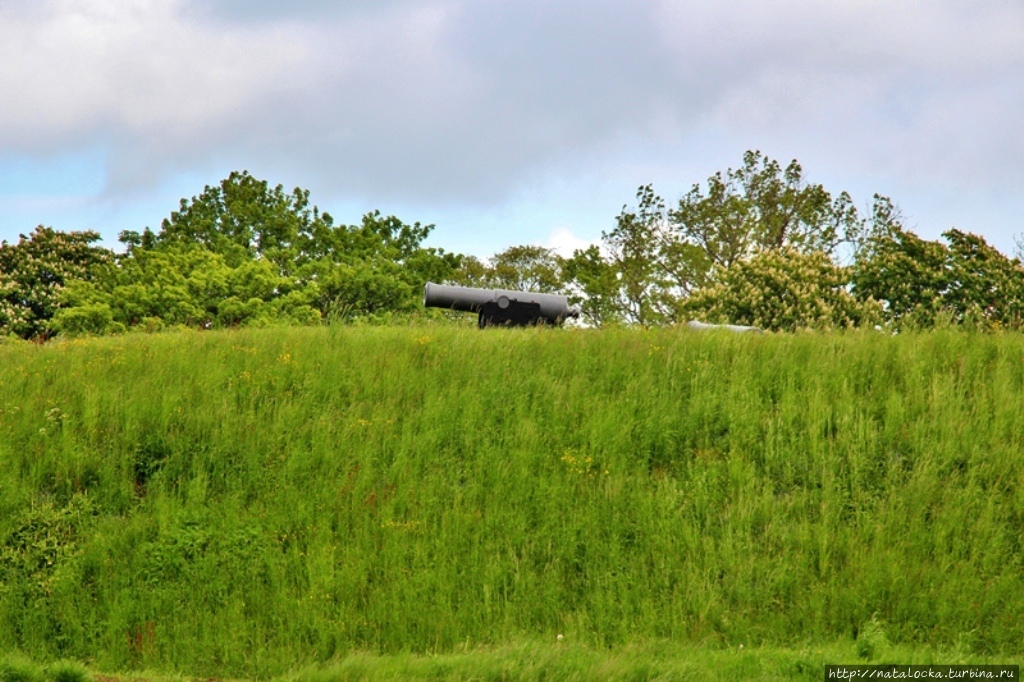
column 93, row 318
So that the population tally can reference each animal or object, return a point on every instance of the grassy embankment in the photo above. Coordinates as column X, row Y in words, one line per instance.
column 254, row 502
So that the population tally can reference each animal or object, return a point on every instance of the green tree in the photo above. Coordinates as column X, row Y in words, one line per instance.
column 921, row 282
column 376, row 267
column 243, row 252
column 906, row 273
column 520, row 268
column 986, row 288
column 181, row 285
column 241, row 219
column 636, row 253
column 595, row 287
column 627, row 280
column 750, row 209
column 35, row 271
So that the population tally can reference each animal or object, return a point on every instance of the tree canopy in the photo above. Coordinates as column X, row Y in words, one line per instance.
column 757, row 245
column 519, row 268
column 920, row 283
column 244, row 252
column 761, row 245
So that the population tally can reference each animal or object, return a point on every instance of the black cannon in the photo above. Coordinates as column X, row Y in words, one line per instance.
column 501, row 307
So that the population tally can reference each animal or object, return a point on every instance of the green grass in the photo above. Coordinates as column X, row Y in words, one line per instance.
column 251, row 503
column 652, row 661
column 19, row 669
column 16, row 668
column 559, row 660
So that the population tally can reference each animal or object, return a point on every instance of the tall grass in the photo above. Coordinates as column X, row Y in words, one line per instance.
column 247, row 501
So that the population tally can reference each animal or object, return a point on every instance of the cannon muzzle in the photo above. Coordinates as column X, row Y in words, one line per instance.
column 501, row 306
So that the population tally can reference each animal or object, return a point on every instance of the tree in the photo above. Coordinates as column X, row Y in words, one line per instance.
column 662, row 257
column 244, row 252
column 241, row 219
column 783, row 290
column 636, row 252
column 986, row 288
column 527, row 268
column 520, row 268
column 35, row 271
column 182, row 285
column 378, row 266
column 626, row 281
column 920, row 282
column 595, row 287
column 758, row 207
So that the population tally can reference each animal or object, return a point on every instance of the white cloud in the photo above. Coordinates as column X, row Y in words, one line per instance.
column 133, row 73
column 564, row 242
column 917, row 89
column 454, row 103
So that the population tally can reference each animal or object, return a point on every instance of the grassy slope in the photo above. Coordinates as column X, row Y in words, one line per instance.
column 243, row 502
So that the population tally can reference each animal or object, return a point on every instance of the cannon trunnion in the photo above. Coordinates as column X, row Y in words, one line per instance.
column 500, row 307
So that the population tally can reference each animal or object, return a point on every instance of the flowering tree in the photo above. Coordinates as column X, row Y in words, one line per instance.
column 783, row 290
column 35, row 271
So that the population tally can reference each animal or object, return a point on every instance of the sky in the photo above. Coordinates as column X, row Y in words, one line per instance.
column 506, row 122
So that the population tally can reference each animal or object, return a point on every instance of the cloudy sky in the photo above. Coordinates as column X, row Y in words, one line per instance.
column 506, row 121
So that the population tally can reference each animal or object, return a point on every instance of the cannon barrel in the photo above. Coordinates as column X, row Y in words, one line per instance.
column 552, row 308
